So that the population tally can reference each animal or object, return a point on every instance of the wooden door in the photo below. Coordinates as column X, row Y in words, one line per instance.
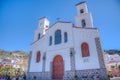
column 58, row 67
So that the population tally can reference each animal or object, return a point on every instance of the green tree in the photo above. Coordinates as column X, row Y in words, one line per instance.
column 3, row 71
column 20, row 71
column 12, row 71
column 119, row 67
column 112, row 66
column 10, row 53
column 7, row 71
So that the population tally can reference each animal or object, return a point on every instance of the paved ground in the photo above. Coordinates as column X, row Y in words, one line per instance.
column 115, row 78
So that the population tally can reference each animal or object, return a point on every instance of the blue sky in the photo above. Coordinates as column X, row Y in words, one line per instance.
column 19, row 20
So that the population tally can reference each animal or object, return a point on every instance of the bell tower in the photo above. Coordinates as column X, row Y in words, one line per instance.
column 43, row 25
column 83, row 18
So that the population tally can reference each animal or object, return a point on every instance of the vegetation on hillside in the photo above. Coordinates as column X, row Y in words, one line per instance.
column 113, row 51
column 5, row 71
column 10, row 54
column 21, row 55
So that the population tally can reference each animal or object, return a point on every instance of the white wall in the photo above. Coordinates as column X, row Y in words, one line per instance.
column 82, row 6
column 51, row 51
column 65, row 53
column 86, row 35
column 88, row 20
column 76, row 36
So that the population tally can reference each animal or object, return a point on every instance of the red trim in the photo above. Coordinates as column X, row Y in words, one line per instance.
column 83, row 28
column 61, row 22
column 34, row 42
column 49, row 28
column 58, row 22
column 37, row 40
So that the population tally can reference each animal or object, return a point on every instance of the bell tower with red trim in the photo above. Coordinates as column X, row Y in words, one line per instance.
column 83, row 18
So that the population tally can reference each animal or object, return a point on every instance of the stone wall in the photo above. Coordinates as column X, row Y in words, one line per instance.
column 100, row 52
column 88, row 74
column 32, row 75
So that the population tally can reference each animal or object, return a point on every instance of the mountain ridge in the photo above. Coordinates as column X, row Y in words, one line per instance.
column 112, row 51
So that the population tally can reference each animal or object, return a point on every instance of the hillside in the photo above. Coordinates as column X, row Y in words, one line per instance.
column 21, row 55
column 111, row 52
column 14, row 54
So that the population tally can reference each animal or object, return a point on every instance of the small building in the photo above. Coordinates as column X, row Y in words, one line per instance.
column 10, row 63
column 112, row 68
column 6, row 63
column 111, row 58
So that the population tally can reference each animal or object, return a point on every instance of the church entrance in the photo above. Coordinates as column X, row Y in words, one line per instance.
column 58, row 67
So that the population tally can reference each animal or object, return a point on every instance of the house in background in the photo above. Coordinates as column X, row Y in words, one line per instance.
column 114, row 57
column 10, row 63
column 112, row 63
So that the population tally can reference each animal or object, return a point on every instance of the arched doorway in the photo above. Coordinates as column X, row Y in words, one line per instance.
column 58, row 67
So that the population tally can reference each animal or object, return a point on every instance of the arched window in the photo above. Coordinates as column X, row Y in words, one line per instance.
column 83, row 23
column 81, row 11
column 38, row 36
column 58, row 37
column 85, row 50
column 38, row 56
column 65, row 37
column 50, row 40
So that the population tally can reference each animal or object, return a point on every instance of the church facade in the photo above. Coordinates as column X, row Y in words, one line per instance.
column 65, row 51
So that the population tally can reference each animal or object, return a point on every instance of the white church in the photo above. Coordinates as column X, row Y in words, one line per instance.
column 65, row 51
